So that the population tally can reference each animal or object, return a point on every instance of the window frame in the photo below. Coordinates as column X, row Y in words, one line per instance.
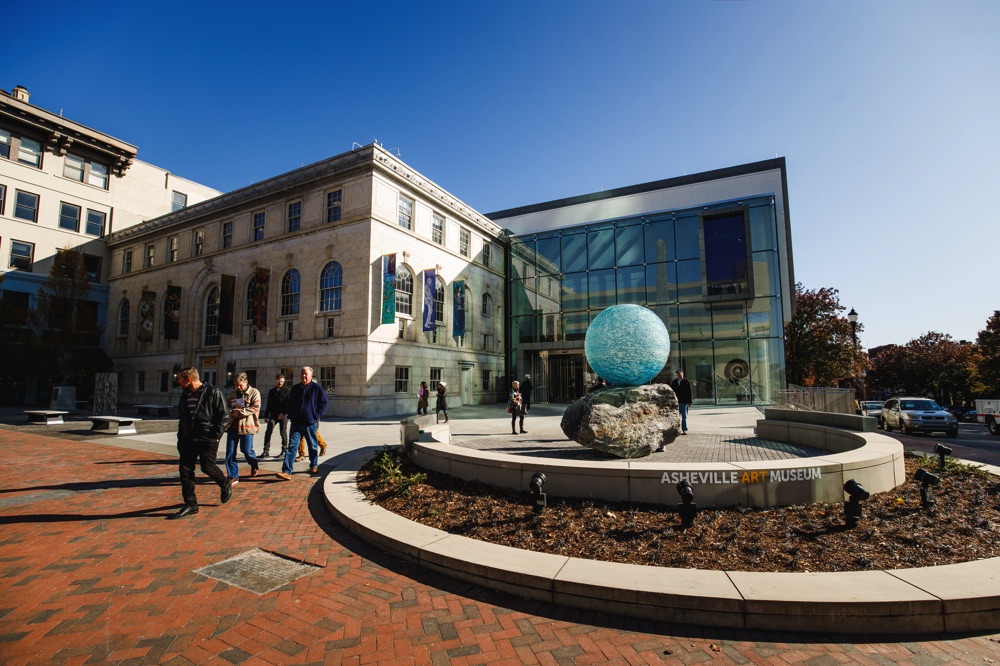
column 437, row 228
column 18, row 205
column 257, row 230
column 210, row 329
column 124, row 314
column 464, row 241
column 37, row 163
column 197, row 242
column 227, row 234
column 178, row 201
column 3, row 198
column 487, row 255
column 404, row 286
column 293, row 221
column 402, row 380
column 91, row 215
column 334, row 205
column 331, row 286
column 126, row 262
column 328, row 379
column 74, row 220
column 487, row 308
column 149, row 255
column 289, row 301
column 173, row 249
column 11, row 263
column 405, row 215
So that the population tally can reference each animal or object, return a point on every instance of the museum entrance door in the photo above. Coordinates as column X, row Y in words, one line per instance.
column 566, row 378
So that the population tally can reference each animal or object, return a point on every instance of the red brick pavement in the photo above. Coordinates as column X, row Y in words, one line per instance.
column 91, row 573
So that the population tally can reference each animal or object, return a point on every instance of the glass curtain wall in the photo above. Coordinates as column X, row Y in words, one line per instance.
column 723, row 315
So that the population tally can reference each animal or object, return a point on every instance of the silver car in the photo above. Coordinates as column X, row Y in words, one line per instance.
column 917, row 415
column 872, row 408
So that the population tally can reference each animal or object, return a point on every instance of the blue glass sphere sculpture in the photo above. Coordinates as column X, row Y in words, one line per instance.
column 627, row 345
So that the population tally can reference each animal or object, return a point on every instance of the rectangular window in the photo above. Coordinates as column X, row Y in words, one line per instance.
column 727, row 255
column 487, row 253
column 92, row 264
column 227, row 234
column 333, row 202
column 198, row 243
column 488, row 341
column 95, row 222
column 330, row 326
column 26, row 206
column 178, row 200
column 463, row 242
column 487, row 379
column 140, row 380
column 328, row 379
column 402, row 328
column 294, row 216
column 165, row 382
column 402, row 380
column 3, row 197
column 73, row 167
column 126, row 262
column 172, row 245
column 97, row 175
column 405, row 212
column 289, row 331
column 258, row 226
column 69, row 217
column 437, row 228
column 5, row 141
column 30, row 152
column 149, row 258
column 435, row 378
column 22, row 255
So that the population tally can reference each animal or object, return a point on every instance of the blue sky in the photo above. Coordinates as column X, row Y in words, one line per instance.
column 888, row 113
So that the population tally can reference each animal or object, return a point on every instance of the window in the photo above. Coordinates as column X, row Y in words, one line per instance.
column 212, row 318
column 487, row 341
column 178, row 200
column 437, row 228
column 172, row 245
column 289, row 331
column 198, row 243
column 727, row 256
column 487, row 379
column 405, row 212
column 69, row 217
column 487, row 253
column 92, row 265
column 140, row 380
column 463, row 242
column 402, row 328
column 30, row 152
column 487, row 306
column 435, row 378
column 22, row 255
column 165, row 381
column 97, row 175
column 126, row 262
column 5, row 141
column 124, row 310
column 404, row 292
column 330, row 285
column 251, row 294
column 290, row 288
column 85, row 171
column 227, row 234
column 439, row 301
column 73, row 167
column 149, row 258
column 258, row 226
column 402, row 380
column 330, row 321
column 3, row 197
column 26, row 206
column 294, row 216
column 95, row 222
column 328, row 379
column 333, row 201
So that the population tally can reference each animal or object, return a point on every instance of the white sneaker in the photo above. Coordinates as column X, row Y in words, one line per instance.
column 235, row 481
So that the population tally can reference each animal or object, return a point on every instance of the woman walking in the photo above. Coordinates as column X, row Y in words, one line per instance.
column 515, row 405
column 442, row 402
column 422, row 395
column 244, row 422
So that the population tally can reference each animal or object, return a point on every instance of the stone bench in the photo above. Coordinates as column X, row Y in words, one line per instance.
column 45, row 416
column 114, row 425
column 160, row 410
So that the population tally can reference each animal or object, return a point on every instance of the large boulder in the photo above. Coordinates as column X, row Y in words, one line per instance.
column 627, row 421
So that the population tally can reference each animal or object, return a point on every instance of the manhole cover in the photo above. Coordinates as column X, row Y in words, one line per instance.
column 257, row 571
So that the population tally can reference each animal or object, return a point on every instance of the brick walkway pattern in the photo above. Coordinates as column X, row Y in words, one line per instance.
column 91, row 572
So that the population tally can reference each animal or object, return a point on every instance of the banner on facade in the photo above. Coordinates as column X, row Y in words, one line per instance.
column 430, row 291
column 458, row 300
column 388, row 288
column 172, row 314
column 227, row 296
column 258, row 302
column 147, row 308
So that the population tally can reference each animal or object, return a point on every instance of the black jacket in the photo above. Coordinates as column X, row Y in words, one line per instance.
column 682, row 387
column 208, row 422
column 277, row 401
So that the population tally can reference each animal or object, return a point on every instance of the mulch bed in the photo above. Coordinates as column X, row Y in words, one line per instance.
column 895, row 532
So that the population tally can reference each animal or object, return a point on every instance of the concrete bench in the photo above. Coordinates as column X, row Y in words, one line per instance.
column 160, row 410
column 114, row 425
column 45, row 416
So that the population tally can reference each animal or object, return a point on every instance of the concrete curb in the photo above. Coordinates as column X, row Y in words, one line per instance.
column 954, row 598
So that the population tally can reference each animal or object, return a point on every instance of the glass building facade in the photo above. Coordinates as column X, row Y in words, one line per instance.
column 710, row 272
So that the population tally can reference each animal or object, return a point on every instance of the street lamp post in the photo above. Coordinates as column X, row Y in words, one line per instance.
column 852, row 317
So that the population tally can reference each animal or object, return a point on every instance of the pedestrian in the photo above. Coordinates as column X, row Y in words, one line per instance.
column 203, row 418
column 515, row 405
column 306, row 403
column 526, row 388
column 442, row 402
column 682, row 387
column 598, row 385
column 423, row 393
column 244, row 423
column 276, row 413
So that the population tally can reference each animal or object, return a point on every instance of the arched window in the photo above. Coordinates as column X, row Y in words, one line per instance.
column 290, row 288
column 251, row 291
column 439, row 301
column 487, row 306
column 404, row 292
column 331, row 282
column 212, row 318
column 123, row 314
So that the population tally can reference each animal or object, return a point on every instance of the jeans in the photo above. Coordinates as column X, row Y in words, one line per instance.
column 191, row 453
column 282, row 430
column 246, row 446
column 684, row 416
column 301, row 431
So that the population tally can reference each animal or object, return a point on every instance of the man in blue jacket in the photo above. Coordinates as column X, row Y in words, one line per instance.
column 306, row 404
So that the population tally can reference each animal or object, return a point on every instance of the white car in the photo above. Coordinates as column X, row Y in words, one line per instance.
column 917, row 415
column 872, row 408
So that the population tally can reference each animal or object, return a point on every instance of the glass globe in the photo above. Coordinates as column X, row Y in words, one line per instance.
column 627, row 345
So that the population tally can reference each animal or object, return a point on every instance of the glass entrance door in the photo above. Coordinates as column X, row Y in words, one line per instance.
column 566, row 378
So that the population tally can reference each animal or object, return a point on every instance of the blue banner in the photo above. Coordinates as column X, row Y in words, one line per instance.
column 430, row 290
column 388, row 288
column 459, row 308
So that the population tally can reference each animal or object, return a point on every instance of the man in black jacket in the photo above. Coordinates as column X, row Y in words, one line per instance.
column 203, row 419
column 682, row 387
column 276, row 411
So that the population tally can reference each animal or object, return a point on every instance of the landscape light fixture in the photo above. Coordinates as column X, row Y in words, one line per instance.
column 536, row 484
column 687, row 508
column 852, row 507
column 942, row 452
column 926, row 480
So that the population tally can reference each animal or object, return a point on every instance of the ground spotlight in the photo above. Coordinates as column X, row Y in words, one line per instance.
column 942, row 452
column 926, row 480
column 687, row 508
column 852, row 507
column 536, row 484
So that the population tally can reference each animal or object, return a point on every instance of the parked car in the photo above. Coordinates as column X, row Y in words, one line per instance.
column 917, row 415
column 959, row 411
column 970, row 416
column 872, row 408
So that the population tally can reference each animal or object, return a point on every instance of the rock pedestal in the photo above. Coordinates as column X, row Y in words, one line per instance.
column 627, row 421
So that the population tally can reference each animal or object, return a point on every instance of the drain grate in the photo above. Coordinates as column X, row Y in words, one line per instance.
column 257, row 571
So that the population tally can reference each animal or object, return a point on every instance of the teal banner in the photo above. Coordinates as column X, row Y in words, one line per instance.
column 388, row 288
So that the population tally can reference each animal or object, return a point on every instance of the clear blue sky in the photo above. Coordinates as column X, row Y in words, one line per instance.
column 888, row 112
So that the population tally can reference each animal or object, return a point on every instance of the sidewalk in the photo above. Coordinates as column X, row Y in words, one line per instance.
column 91, row 572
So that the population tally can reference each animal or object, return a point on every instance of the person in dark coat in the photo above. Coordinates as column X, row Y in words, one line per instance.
column 307, row 402
column 682, row 387
column 203, row 418
column 526, row 388
column 276, row 413
column 442, row 402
